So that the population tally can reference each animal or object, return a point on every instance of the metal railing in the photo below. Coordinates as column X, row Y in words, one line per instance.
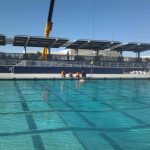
column 35, row 63
column 54, row 57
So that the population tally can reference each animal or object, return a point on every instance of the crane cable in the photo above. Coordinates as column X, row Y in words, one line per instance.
column 93, row 20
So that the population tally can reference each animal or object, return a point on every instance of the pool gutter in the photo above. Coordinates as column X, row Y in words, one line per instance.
column 12, row 76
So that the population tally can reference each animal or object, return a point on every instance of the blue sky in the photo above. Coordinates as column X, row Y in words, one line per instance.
column 120, row 20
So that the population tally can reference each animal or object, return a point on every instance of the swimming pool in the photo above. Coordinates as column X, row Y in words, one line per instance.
column 73, row 115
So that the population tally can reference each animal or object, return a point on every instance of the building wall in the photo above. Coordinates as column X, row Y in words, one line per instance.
column 93, row 53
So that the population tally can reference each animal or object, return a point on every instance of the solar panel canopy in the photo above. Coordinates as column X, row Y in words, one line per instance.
column 31, row 41
column 59, row 43
column 92, row 44
column 99, row 45
column 40, row 42
column 20, row 40
column 135, row 47
column 77, row 44
column 34, row 41
column 2, row 39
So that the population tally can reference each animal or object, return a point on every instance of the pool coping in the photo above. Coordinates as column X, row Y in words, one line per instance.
column 12, row 76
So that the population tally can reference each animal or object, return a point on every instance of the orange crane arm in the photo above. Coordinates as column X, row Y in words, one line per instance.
column 48, row 26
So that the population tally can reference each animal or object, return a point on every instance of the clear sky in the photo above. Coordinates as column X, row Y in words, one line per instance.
column 120, row 20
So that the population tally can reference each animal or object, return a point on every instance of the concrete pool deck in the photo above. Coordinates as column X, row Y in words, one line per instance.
column 10, row 76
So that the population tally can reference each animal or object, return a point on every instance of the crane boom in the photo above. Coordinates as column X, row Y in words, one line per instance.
column 48, row 26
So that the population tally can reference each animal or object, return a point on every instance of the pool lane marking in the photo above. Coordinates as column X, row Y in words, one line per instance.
column 140, row 102
column 89, row 122
column 43, row 111
column 38, row 144
column 81, row 143
column 107, row 130
column 1, row 102
column 108, row 139
column 36, row 139
column 113, row 108
column 60, row 110
column 80, row 116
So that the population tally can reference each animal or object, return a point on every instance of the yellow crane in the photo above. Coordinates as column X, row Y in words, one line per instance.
column 48, row 27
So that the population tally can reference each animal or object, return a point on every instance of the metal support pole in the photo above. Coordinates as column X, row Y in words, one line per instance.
column 25, row 55
column 25, row 49
column 67, row 55
column 138, row 54
column 48, row 57
column 120, row 53
column 91, row 66
column 49, row 51
column 97, row 52
column 77, row 52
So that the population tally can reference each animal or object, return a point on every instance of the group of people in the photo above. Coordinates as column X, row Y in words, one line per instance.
column 77, row 75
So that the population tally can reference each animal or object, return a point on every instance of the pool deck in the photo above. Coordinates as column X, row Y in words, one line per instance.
column 10, row 76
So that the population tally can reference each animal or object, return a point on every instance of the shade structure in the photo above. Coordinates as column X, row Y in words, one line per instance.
column 92, row 44
column 32, row 41
column 2, row 39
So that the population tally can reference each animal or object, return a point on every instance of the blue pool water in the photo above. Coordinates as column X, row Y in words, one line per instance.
column 73, row 115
